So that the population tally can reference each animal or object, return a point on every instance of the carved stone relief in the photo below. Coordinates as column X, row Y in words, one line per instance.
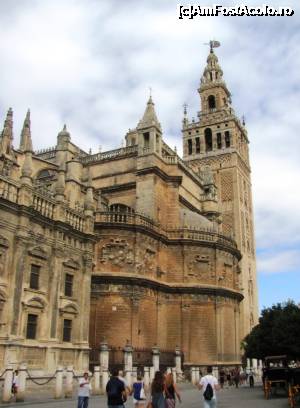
column 200, row 266
column 117, row 251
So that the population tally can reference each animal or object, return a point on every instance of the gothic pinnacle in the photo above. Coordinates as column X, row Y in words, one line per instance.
column 26, row 141
column 7, row 133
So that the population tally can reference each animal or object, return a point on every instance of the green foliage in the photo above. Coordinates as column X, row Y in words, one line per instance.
column 277, row 333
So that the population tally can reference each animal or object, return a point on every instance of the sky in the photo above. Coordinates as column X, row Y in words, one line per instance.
column 90, row 64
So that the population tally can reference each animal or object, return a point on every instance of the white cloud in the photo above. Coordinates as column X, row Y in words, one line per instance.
column 283, row 261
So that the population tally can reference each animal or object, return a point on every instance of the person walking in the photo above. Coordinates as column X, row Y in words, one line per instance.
column 209, row 385
column 222, row 377
column 138, row 391
column 171, row 391
column 115, row 390
column 236, row 377
column 157, row 390
column 15, row 384
column 251, row 378
column 84, row 391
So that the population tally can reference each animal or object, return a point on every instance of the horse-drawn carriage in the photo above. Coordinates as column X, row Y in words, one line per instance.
column 294, row 386
column 275, row 375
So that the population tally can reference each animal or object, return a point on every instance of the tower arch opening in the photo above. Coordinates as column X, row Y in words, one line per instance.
column 211, row 102
column 208, row 139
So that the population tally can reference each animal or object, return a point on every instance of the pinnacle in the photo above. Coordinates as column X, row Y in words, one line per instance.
column 149, row 118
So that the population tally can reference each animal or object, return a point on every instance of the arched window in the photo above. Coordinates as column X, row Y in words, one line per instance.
column 219, row 140
column 211, row 102
column 208, row 139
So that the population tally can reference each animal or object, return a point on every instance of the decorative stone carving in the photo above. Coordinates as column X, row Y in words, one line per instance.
column 118, row 252
column 200, row 267
column 38, row 252
column 3, row 242
column 71, row 263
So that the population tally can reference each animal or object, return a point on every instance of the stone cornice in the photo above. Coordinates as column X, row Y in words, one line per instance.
column 165, row 287
column 118, row 187
column 160, row 173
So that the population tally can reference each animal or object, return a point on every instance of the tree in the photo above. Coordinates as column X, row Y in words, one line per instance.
column 277, row 333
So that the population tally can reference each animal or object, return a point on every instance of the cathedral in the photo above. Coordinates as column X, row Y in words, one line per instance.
column 131, row 246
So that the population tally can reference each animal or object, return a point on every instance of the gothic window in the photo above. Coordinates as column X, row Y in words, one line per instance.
column 34, row 277
column 69, row 284
column 67, row 330
column 219, row 140
column 208, row 139
column 31, row 328
column 190, row 146
column 146, row 140
column 211, row 102
column 197, row 144
column 227, row 138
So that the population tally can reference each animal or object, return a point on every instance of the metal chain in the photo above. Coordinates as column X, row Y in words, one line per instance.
column 38, row 383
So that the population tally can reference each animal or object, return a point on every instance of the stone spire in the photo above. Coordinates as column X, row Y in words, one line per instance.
column 149, row 118
column 7, row 134
column 26, row 141
column 212, row 72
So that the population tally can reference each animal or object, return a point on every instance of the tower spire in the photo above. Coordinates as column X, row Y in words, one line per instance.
column 7, row 134
column 26, row 141
column 149, row 118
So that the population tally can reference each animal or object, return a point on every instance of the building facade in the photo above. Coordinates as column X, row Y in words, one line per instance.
column 133, row 245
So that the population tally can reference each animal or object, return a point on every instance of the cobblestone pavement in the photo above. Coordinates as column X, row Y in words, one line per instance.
column 243, row 397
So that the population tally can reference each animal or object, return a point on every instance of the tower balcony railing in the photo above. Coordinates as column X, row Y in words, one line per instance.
column 170, row 232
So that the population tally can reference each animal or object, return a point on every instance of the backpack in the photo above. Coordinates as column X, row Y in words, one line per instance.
column 208, row 393
column 113, row 390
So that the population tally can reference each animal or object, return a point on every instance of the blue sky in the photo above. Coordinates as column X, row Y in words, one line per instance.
column 90, row 64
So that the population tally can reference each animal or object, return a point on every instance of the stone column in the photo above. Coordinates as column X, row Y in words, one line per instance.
column 146, row 376
column 197, row 374
column 254, row 365
column 104, row 381
column 178, row 360
column 59, row 383
column 104, row 355
column 248, row 364
column 128, row 350
column 216, row 372
column 174, row 374
column 152, row 372
column 193, row 375
column 69, row 383
column 128, row 377
column 22, row 383
column 155, row 358
column 169, row 370
column 96, row 390
column 134, row 374
column 8, row 378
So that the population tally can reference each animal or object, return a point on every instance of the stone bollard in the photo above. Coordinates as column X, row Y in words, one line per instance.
column 215, row 371
column 104, row 381
column 254, row 365
column 59, row 383
column 128, row 377
column 174, row 374
column 155, row 358
column 146, row 377
column 96, row 390
column 69, row 382
column 22, row 383
column 152, row 372
column 169, row 370
column 193, row 375
column 248, row 364
column 8, row 378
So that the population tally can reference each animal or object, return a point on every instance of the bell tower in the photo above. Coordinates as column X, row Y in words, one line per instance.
column 219, row 140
